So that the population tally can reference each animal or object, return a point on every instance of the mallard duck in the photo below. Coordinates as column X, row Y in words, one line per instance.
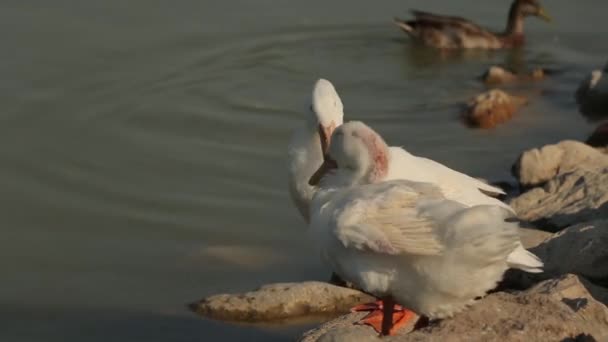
column 406, row 242
column 448, row 32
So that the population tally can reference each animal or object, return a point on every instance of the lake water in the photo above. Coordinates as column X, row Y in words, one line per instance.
column 143, row 143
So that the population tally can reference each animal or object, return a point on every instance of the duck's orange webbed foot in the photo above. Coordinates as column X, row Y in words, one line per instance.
column 400, row 316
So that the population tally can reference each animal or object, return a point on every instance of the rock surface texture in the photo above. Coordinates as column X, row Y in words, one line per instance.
column 281, row 301
column 554, row 310
column 568, row 184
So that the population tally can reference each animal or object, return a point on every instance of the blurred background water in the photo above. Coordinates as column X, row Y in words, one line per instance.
column 143, row 143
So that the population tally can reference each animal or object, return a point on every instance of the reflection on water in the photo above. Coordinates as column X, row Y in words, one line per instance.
column 143, row 145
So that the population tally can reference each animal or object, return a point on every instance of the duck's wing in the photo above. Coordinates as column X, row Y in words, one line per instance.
column 384, row 218
column 422, row 15
column 454, row 185
column 446, row 21
column 448, row 175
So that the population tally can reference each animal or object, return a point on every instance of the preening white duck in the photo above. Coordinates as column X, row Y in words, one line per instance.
column 309, row 142
column 405, row 241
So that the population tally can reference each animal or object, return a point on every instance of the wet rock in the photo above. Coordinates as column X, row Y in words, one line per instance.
column 599, row 137
column 554, row 310
column 592, row 95
column 498, row 75
column 281, row 301
column 492, row 108
column 570, row 185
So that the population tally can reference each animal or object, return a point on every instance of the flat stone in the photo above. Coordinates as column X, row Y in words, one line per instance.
column 281, row 301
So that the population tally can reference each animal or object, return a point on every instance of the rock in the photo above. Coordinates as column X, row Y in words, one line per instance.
column 592, row 95
column 580, row 249
column 599, row 137
column 554, row 310
column 492, row 108
column 570, row 181
column 533, row 237
column 497, row 75
column 281, row 301
column 536, row 166
column 570, row 198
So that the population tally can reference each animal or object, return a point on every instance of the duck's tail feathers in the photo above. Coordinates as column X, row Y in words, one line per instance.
column 403, row 25
column 524, row 260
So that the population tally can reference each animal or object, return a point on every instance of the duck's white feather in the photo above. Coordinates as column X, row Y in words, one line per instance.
column 402, row 238
column 455, row 185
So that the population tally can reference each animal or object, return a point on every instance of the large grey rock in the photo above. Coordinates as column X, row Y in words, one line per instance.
column 581, row 249
column 281, row 301
column 570, row 185
column 554, row 310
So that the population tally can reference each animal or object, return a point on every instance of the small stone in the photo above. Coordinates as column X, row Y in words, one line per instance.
column 492, row 108
column 498, row 75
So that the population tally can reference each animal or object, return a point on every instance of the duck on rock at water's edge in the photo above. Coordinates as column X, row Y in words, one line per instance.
column 447, row 32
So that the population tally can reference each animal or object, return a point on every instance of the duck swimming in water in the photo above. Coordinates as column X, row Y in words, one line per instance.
column 447, row 32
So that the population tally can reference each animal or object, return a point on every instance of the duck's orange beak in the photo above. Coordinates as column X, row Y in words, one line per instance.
column 328, row 164
column 325, row 135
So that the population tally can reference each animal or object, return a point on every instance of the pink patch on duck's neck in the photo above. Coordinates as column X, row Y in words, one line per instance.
column 379, row 154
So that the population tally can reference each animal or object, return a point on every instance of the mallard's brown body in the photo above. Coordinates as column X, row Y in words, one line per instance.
column 448, row 32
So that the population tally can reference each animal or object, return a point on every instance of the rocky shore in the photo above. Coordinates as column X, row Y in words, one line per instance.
column 563, row 201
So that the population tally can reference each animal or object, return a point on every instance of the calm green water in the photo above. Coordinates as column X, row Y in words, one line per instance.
column 142, row 143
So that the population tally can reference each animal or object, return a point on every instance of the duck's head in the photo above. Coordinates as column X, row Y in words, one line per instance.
column 357, row 155
column 327, row 111
column 531, row 8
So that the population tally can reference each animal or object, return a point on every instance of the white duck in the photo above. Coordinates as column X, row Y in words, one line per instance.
column 310, row 141
column 404, row 241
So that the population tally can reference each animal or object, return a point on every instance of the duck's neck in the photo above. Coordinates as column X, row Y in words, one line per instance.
column 515, row 22
column 305, row 157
